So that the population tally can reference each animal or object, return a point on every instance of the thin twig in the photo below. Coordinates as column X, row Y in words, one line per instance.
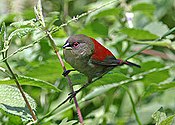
column 67, row 99
column 21, row 91
column 147, row 46
column 51, row 112
column 133, row 105
column 57, row 28
column 23, row 48
column 68, row 78
column 75, row 18
column 4, row 55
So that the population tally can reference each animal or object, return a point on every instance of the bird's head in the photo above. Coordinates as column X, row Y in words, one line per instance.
column 79, row 45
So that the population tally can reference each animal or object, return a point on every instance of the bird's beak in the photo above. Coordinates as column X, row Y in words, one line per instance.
column 67, row 46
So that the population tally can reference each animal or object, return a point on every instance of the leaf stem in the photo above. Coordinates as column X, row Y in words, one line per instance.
column 21, row 91
column 133, row 105
column 147, row 46
column 13, row 76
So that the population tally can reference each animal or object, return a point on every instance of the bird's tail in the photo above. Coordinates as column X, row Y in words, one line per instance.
column 121, row 62
column 131, row 64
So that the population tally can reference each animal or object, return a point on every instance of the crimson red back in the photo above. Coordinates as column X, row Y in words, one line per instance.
column 100, row 52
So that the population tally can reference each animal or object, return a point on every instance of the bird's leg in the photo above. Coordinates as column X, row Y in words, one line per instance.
column 73, row 94
column 66, row 72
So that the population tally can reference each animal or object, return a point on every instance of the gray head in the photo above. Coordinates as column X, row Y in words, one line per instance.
column 79, row 45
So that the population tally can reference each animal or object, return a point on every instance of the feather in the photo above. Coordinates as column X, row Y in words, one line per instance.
column 100, row 52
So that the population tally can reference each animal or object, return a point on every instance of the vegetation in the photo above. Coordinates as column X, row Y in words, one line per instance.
column 31, row 39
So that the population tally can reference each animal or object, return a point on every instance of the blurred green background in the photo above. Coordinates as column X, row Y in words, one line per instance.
column 105, row 102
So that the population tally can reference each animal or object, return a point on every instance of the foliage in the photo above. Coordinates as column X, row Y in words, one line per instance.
column 126, row 95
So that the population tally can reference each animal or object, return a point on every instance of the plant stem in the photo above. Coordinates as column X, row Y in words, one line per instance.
column 68, row 78
column 147, row 46
column 133, row 105
column 21, row 91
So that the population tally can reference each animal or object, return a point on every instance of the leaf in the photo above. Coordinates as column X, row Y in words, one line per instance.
column 158, row 87
column 144, row 7
column 39, row 14
column 23, row 23
column 48, row 71
column 24, row 80
column 4, row 42
column 166, row 85
column 115, row 83
column 20, row 32
column 163, row 43
column 157, row 28
column 12, row 102
column 108, row 12
column 138, row 34
column 66, row 122
column 168, row 121
column 109, row 78
column 159, row 116
column 156, row 77
column 98, row 91
column 95, row 29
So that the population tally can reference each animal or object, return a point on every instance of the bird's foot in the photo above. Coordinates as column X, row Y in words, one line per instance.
column 66, row 72
column 72, row 95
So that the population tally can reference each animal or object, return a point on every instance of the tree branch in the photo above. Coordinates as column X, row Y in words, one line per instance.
column 147, row 46
column 68, row 78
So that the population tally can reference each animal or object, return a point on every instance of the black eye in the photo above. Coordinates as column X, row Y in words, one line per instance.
column 75, row 44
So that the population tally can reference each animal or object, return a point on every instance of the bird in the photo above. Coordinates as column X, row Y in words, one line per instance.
column 89, row 57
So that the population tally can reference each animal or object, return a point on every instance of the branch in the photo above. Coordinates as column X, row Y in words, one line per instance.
column 68, row 78
column 147, row 46
column 54, row 29
column 77, row 17
column 23, row 48
column 21, row 91
column 4, row 55
column 133, row 105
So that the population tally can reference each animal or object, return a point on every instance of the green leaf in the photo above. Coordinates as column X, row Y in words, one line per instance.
column 12, row 102
column 158, row 87
column 163, row 43
column 159, row 116
column 168, row 121
column 98, row 91
column 95, row 29
column 76, row 78
column 108, row 12
column 144, row 7
column 4, row 42
column 66, row 122
column 157, row 28
column 24, row 80
column 23, row 23
column 166, row 86
column 138, row 34
column 156, row 77
column 20, row 32
column 109, row 78
column 39, row 14
column 48, row 71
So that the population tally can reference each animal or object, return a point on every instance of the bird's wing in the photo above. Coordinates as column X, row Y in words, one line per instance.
column 102, row 56
column 108, row 61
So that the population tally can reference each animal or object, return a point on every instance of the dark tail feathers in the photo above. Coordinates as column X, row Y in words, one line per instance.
column 131, row 64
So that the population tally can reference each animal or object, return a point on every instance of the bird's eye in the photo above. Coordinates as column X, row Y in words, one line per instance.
column 75, row 44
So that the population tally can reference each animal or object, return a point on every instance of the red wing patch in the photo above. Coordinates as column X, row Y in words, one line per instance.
column 100, row 52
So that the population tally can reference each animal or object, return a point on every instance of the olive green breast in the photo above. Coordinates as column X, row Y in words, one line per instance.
column 84, row 64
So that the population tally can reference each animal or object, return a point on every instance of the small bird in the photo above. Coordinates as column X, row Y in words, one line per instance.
column 89, row 57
